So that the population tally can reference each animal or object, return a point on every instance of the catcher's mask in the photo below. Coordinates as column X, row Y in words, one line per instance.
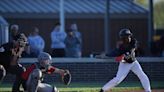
column 44, row 59
column 22, row 40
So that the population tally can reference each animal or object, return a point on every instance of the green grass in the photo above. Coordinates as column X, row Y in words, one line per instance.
column 117, row 89
column 93, row 87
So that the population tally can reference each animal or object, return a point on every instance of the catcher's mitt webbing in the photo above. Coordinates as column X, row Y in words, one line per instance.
column 66, row 78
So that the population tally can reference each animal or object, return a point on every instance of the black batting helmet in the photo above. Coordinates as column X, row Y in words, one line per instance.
column 125, row 32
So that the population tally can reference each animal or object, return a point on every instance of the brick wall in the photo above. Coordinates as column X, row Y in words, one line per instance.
column 101, row 71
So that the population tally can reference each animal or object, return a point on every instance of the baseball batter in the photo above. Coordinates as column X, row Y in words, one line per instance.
column 125, row 54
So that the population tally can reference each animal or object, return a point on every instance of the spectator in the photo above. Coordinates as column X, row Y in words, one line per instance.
column 72, row 44
column 36, row 43
column 78, row 35
column 57, row 42
column 155, row 50
column 14, row 32
column 139, row 50
column 161, row 43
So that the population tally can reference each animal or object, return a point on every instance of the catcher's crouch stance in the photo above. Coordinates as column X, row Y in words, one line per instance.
column 35, row 73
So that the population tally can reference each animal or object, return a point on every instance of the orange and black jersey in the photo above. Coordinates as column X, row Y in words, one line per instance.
column 25, row 75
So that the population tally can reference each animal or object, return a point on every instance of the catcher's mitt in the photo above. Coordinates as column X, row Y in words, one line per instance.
column 66, row 78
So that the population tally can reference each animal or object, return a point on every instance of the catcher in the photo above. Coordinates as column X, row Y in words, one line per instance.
column 35, row 73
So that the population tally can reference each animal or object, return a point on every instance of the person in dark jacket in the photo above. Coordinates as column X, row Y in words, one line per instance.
column 9, row 59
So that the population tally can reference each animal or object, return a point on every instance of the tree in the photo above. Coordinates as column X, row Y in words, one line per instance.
column 142, row 2
column 158, row 11
column 159, row 15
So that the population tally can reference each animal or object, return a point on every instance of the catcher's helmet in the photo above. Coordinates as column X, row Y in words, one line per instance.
column 44, row 59
column 125, row 32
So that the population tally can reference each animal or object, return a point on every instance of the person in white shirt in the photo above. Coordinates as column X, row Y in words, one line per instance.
column 57, row 42
column 36, row 43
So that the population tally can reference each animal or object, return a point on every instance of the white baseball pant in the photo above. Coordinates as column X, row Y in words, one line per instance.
column 34, row 83
column 123, row 70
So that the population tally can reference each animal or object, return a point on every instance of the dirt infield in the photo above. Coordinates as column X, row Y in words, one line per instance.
column 158, row 90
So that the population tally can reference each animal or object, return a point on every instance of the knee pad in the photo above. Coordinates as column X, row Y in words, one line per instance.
column 36, row 74
column 2, row 73
column 34, row 80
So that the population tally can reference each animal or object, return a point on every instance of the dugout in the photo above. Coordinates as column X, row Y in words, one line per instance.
column 88, row 14
column 3, row 31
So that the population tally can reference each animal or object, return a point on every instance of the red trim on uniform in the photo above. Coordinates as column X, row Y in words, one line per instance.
column 26, row 74
column 51, row 70
column 119, row 58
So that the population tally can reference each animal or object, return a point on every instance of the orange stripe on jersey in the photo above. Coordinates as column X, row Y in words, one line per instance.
column 51, row 70
column 119, row 58
column 26, row 74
